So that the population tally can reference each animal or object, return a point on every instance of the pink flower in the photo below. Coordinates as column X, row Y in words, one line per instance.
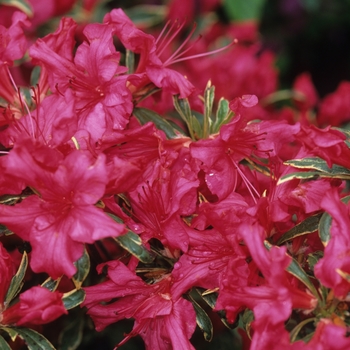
column 162, row 321
column 62, row 217
column 103, row 102
column 53, row 123
column 332, row 269
column 36, row 306
column 335, row 107
column 150, row 67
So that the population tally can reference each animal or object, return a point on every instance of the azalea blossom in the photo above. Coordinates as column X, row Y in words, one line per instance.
column 62, row 216
column 162, row 321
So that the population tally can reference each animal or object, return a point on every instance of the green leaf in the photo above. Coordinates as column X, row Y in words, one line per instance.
column 3, row 344
column 4, row 231
column 11, row 332
column 73, row 298
column 8, row 199
column 307, row 226
column 83, row 269
column 22, row 5
column 297, row 271
column 203, row 320
column 51, row 284
column 33, row 339
column 324, row 227
column 243, row 10
column 223, row 115
column 72, row 334
column 296, row 330
column 35, row 76
column 132, row 243
column 300, row 176
column 210, row 297
column 246, row 320
column 209, row 95
column 16, row 282
column 313, row 258
column 130, row 61
column 318, row 164
column 145, row 115
column 182, row 106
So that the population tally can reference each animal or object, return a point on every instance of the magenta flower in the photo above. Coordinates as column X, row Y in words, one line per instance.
column 162, row 321
column 150, row 68
column 102, row 100
column 62, row 217
column 35, row 306
column 332, row 270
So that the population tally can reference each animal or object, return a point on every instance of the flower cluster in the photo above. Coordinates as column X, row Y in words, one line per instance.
column 184, row 201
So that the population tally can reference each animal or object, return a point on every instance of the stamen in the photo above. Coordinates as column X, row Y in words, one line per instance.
column 177, row 52
column 22, row 101
column 248, row 184
column 234, row 42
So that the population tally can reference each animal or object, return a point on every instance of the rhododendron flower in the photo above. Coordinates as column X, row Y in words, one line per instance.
column 62, row 217
column 150, row 67
column 332, row 270
column 328, row 144
column 274, row 299
column 162, row 321
column 169, row 193
column 101, row 96
column 335, row 107
column 35, row 306
column 53, row 123
column 13, row 45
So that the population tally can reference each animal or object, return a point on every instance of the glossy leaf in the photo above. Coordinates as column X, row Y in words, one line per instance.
column 51, row 284
column 203, row 320
column 72, row 334
column 83, row 268
column 223, row 115
column 318, row 164
column 10, row 199
column 182, row 106
column 73, row 298
column 3, row 344
column 296, row 330
column 22, row 5
column 246, row 320
column 130, row 61
column 299, row 176
column 4, row 231
column 11, row 332
column 307, row 226
column 209, row 95
column 132, row 243
column 16, row 282
column 210, row 297
column 324, row 227
column 35, row 76
column 33, row 339
column 145, row 115
column 313, row 258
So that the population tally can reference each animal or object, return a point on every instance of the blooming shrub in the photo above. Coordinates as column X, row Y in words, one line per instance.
column 189, row 199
